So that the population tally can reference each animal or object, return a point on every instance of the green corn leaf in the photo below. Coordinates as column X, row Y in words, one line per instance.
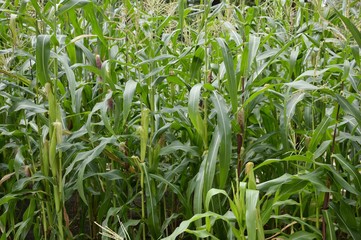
column 102, row 107
column 302, row 85
column 330, row 228
column 251, row 213
column 197, row 62
column 158, row 58
column 144, row 133
column 224, row 125
column 299, row 220
column 88, row 54
column 321, row 149
column 254, row 43
column 198, row 190
column 319, row 134
column 339, row 178
column 256, row 94
column 303, row 235
column 245, row 62
column 212, row 192
column 178, row 146
column 346, row 219
column 349, row 108
column 232, row 81
column 8, row 198
column 351, row 27
column 42, row 58
column 29, row 106
column 40, row 13
column 86, row 158
column 300, row 158
column 292, row 102
column 72, row 4
column 183, row 227
column 71, row 81
column 210, row 168
column 350, row 169
column 152, row 207
column 356, row 54
column 89, row 12
column 293, row 59
column 264, row 66
column 316, row 73
column 174, row 188
column 293, row 187
column 23, row 227
column 181, row 15
column 193, row 109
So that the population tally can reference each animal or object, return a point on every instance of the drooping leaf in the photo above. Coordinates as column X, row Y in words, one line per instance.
column 292, row 102
column 349, row 108
column 302, row 85
column 86, row 158
column 71, row 4
column 351, row 27
column 350, row 169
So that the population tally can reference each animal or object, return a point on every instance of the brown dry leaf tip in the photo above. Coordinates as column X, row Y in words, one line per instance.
column 98, row 61
column 210, row 77
column 249, row 167
column 123, row 148
column 131, row 169
column 110, row 103
column 66, row 218
column 6, row 177
column 161, row 140
column 27, row 171
column 240, row 119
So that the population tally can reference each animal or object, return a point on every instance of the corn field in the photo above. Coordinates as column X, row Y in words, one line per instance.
column 154, row 119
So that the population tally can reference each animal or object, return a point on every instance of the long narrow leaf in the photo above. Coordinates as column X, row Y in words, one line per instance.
column 42, row 58
column 128, row 94
column 224, row 125
column 251, row 213
column 351, row 27
column 349, row 108
column 350, row 169
column 232, row 81
column 193, row 109
column 210, row 168
column 330, row 229
column 72, row 4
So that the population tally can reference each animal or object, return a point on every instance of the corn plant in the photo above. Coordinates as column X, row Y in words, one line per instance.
column 180, row 119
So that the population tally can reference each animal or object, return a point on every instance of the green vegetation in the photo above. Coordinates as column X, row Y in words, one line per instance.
column 154, row 119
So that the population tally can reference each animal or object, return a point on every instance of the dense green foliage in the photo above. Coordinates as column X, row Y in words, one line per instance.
column 155, row 119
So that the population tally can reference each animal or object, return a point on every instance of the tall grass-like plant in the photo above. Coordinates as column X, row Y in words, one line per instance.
column 176, row 119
